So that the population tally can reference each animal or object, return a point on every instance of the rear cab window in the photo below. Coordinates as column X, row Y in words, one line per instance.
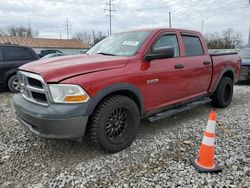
column 192, row 45
column 168, row 40
column 16, row 53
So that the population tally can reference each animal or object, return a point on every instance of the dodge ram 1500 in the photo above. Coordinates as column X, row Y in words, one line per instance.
column 129, row 76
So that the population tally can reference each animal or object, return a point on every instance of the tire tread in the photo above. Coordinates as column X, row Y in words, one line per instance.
column 217, row 96
column 95, row 120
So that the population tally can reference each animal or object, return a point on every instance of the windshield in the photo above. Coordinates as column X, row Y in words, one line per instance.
column 245, row 53
column 121, row 44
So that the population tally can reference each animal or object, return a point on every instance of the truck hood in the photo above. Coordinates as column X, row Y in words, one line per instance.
column 245, row 62
column 60, row 68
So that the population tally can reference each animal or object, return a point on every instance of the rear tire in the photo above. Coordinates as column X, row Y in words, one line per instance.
column 14, row 84
column 115, row 123
column 223, row 94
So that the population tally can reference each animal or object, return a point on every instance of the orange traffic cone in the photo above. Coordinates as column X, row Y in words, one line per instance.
column 205, row 159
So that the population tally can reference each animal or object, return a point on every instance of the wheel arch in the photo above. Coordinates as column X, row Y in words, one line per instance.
column 226, row 72
column 9, row 74
column 125, row 89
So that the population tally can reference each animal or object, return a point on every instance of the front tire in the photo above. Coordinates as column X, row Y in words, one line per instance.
column 14, row 84
column 223, row 94
column 115, row 123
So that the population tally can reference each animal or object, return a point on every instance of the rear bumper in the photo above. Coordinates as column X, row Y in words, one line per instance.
column 245, row 73
column 49, row 122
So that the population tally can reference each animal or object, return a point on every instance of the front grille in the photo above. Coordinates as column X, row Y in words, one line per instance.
column 33, row 88
column 35, row 83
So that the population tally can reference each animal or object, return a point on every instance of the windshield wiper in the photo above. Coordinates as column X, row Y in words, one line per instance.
column 102, row 53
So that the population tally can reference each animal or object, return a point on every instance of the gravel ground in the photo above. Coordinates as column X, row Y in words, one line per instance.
column 158, row 158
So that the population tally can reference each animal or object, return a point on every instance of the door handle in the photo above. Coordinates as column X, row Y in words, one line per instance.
column 206, row 63
column 179, row 66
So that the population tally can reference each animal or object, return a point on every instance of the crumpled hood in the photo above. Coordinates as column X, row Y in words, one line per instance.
column 245, row 62
column 59, row 68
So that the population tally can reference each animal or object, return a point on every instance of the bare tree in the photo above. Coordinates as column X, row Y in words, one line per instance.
column 228, row 39
column 84, row 37
column 98, row 36
column 21, row 31
column 231, row 39
column 90, row 38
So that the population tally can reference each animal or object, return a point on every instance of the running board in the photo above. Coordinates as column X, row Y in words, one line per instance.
column 181, row 108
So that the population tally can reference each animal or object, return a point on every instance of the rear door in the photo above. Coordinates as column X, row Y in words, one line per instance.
column 14, row 57
column 199, row 64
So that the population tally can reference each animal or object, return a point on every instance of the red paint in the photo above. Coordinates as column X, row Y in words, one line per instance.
column 95, row 72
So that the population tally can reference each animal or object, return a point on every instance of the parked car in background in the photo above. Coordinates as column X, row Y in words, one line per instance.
column 11, row 57
column 46, row 52
column 84, row 51
column 53, row 55
column 129, row 76
column 245, row 66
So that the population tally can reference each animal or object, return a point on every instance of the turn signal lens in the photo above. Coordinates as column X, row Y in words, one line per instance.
column 76, row 98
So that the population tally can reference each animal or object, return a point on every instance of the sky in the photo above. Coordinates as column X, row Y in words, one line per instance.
column 48, row 16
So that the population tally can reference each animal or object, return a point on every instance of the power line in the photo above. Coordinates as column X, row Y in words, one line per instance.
column 68, row 26
column 233, row 7
column 110, row 8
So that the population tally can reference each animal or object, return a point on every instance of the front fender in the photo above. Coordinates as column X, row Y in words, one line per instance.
column 115, row 88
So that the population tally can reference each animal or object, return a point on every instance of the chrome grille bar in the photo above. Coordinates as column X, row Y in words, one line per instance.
column 37, row 90
column 32, row 93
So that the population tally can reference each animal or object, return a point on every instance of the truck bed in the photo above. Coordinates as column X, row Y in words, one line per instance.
column 222, row 62
column 222, row 53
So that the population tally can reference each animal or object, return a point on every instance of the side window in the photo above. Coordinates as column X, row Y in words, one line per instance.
column 192, row 45
column 16, row 53
column 1, row 55
column 168, row 40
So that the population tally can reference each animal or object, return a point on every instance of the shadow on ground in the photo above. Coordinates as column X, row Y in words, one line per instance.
column 245, row 83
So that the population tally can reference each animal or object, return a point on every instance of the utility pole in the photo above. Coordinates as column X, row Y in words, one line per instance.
column 68, row 26
column 249, row 33
column 170, row 19
column 202, row 25
column 249, row 37
column 110, row 9
column 28, row 34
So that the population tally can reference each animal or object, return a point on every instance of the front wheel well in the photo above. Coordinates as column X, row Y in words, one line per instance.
column 126, row 93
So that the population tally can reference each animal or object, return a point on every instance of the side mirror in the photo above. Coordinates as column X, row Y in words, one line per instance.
column 160, row 53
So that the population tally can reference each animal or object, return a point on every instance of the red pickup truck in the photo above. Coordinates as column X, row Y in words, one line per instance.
column 129, row 76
